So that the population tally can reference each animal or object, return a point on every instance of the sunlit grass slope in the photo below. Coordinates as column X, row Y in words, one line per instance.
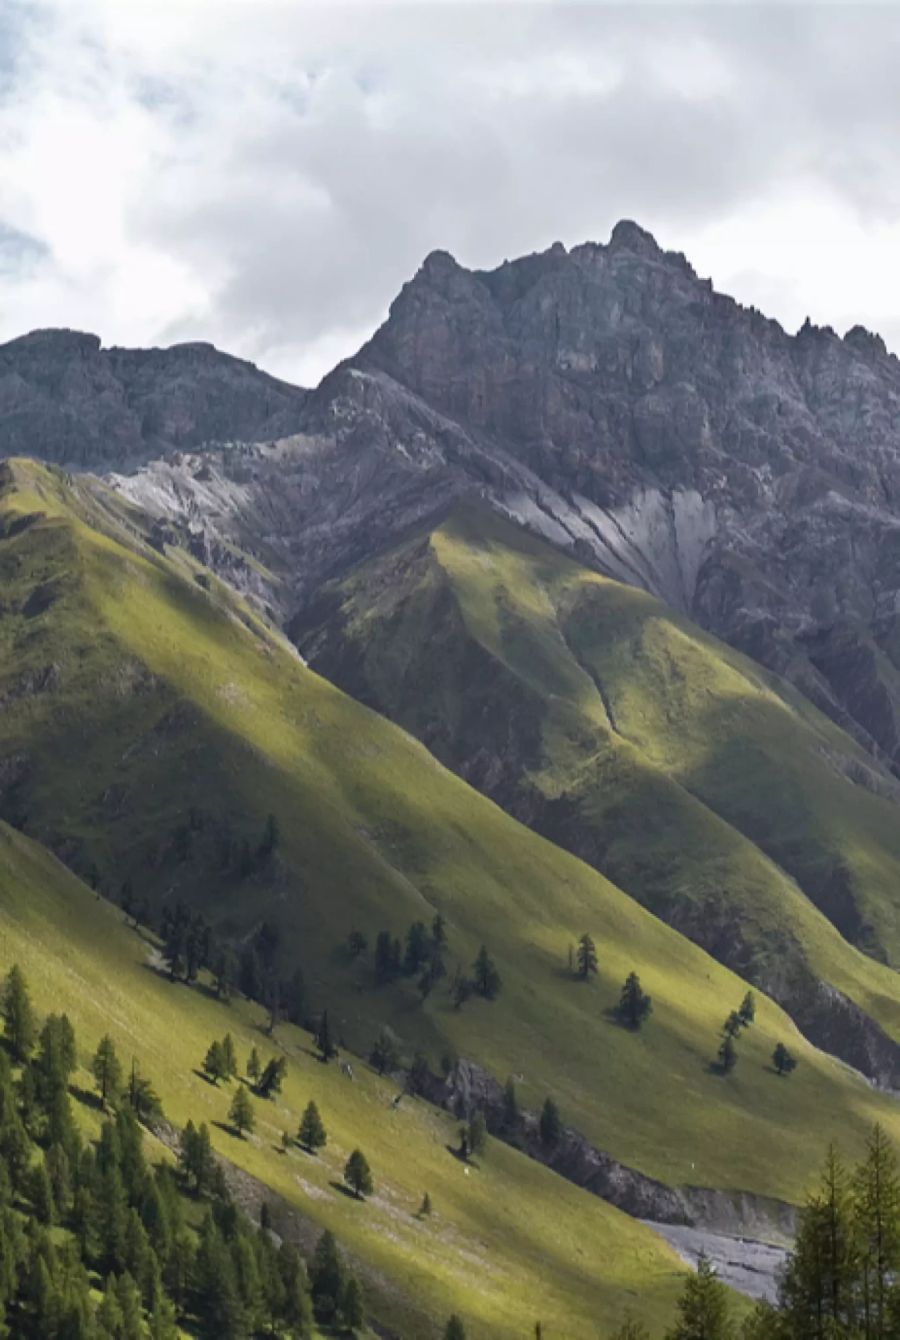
column 506, row 1245
column 695, row 780
column 133, row 694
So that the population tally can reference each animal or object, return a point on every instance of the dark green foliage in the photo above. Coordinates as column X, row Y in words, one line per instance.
column 417, row 947
column 225, row 972
column 419, row 1073
column 215, row 1064
column 253, row 1065
column 733, row 1025
column 324, row 1043
column 386, row 965
column 634, row 1004
column 727, row 1054
column 272, row 1077
column 358, row 1175
column 195, row 1157
column 141, row 1097
column 586, row 957
column 454, row 1330
column 294, row 998
column 326, row 1277
column 425, row 1208
column 107, row 1071
column 550, row 1124
column 783, row 1061
column 240, row 1113
column 18, row 1015
column 485, row 977
column 312, row 1134
column 747, row 1010
column 875, row 1211
column 385, row 1053
column 357, row 944
column 352, row 1311
column 703, row 1308
column 476, row 1134
column 461, row 990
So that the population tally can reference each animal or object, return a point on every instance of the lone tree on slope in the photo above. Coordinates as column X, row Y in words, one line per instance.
column 586, row 957
column 634, row 1004
column 727, row 1054
column 782, row 1059
column 358, row 1175
column 312, row 1134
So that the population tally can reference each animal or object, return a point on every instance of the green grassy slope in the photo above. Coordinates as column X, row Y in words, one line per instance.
column 132, row 694
column 691, row 777
column 507, row 1244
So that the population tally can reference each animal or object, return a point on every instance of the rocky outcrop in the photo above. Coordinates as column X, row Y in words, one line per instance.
column 468, row 1089
column 65, row 399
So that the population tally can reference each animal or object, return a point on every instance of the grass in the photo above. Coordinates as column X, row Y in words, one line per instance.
column 165, row 697
column 507, row 1244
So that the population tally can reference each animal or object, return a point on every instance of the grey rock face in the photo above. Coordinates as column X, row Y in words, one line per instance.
column 65, row 399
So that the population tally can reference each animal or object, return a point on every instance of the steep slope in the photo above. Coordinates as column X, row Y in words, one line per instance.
column 489, row 1250
column 64, row 399
column 150, row 724
column 690, row 777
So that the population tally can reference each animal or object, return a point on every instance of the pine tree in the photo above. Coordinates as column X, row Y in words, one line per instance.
column 425, row 1208
column 782, row 1059
column 417, row 943
column 40, row 1194
column 312, row 1134
column 733, row 1025
column 747, row 1010
column 550, row 1124
column 727, row 1054
column 385, row 1053
column 324, row 1043
column 253, row 1065
column 358, row 1175
column 634, row 1005
column 240, row 1114
column 876, row 1215
column 486, row 978
column 384, row 961
column 454, row 1330
column 18, row 1015
column 107, row 1071
column 215, row 1065
column 272, row 1077
column 229, row 1055
column 326, row 1277
column 586, row 957
column 477, row 1134
column 352, row 1311
column 703, row 1308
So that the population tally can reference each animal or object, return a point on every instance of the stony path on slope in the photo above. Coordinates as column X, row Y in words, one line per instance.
column 742, row 1263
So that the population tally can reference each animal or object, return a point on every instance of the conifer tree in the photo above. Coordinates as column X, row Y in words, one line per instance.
column 326, row 1276
column 240, row 1114
column 476, row 1133
column 733, row 1025
column 18, row 1015
column 876, row 1216
column 40, row 1194
column 270, row 1081
column 747, row 1010
column 703, row 1308
column 586, row 957
column 253, row 1065
column 385, row 1053
column 486, row 979
column 229, row 1056
column 727, row 1054
column 107, row 1071
column 324, row 1043
column 215, row 1066
column 358, row 1175
column 425, row 1208
column 634, row 1004
column 510, row 1106
column 454, row 1330
column 312, row 1134
column 783, row 1061
column 352, row 1310
column 817, row 1286
column 550, row 1124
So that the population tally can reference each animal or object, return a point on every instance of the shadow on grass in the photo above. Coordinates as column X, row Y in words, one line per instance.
column 201, row 1074
column 86, row 1096
column 460, row 1157
column 345, row 1191
column 613, row 1015
column 228, row 1129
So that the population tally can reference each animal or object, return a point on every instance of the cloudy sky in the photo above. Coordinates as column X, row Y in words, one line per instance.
column 266, row 175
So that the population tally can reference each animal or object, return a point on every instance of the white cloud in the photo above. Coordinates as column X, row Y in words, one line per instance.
column 266, row 175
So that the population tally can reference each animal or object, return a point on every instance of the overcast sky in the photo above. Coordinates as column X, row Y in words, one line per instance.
column 266, row 175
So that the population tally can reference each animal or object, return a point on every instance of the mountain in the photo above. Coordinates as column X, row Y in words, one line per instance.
column 151, row 724
column 541, row 1237
column 611, row 400
column 65, row 399
column 696, row 781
